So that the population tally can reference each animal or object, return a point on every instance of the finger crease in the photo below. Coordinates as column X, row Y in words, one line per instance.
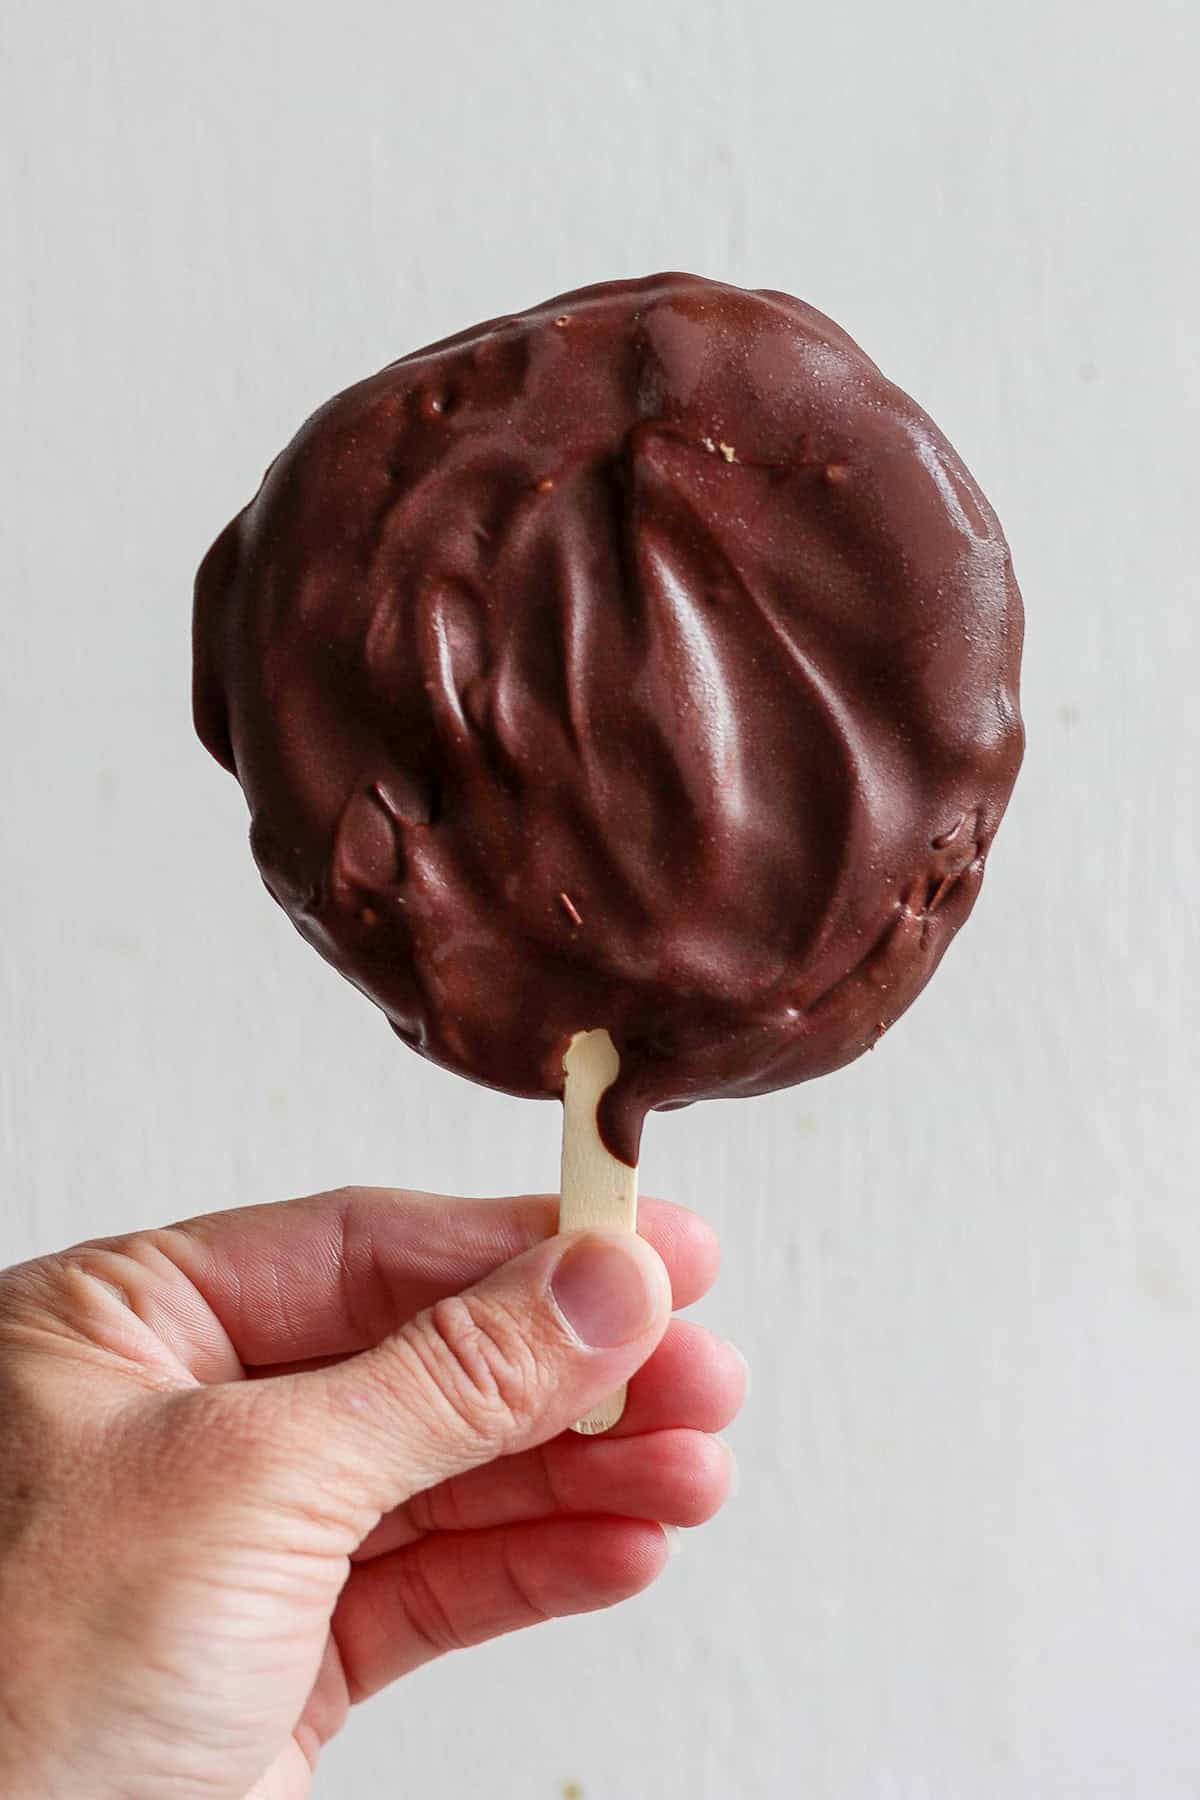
column 551, row 1496
column 418, row 1513
column 521, row 1588
column 425, row 1611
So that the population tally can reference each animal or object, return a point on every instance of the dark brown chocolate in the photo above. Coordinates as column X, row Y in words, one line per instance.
column 646, row 660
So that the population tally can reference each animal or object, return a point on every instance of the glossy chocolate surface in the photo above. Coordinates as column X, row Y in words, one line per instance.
column 645, row 660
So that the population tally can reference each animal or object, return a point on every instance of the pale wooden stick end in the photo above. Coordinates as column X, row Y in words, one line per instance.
column 603, row 1417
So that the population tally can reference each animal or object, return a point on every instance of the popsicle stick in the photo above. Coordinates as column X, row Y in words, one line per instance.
column 598, row 1191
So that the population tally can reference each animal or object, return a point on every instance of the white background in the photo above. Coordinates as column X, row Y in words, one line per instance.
column 964, row 1563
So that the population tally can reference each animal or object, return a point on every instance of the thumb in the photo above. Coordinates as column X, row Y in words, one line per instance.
column 499, row 1368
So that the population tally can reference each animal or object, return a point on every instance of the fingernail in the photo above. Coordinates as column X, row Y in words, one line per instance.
column 674, row 1539
column 745, row 1371
column 605, row 1291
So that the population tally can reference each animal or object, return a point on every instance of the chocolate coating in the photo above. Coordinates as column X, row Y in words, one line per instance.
column 646, row 660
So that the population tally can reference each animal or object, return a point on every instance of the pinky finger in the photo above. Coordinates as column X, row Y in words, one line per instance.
column 454, row 1589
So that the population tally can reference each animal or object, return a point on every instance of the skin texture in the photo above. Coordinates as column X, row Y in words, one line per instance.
column 646, row 661
column 256, row 1466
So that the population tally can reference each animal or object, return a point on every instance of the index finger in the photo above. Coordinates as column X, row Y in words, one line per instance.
column 334, row 1273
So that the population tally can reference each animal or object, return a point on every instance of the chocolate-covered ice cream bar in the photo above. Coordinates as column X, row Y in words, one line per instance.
column 643, row 662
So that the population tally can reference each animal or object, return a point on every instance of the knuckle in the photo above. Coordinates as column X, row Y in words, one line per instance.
column 426, row 1611
column 95, row 1293
column 437, row 1508
column 479, row 1363
column 42, row 1295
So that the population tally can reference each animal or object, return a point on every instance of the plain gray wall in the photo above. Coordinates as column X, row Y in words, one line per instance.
column 963, row 1564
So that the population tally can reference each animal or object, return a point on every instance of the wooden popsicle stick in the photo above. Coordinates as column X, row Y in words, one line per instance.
column 598, row 1191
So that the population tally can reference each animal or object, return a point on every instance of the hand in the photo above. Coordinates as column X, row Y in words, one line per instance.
column 256, row 1466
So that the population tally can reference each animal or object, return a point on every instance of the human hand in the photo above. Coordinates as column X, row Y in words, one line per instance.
column 256, row 1466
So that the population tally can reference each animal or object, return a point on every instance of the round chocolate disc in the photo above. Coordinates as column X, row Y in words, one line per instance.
column 645, row 660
